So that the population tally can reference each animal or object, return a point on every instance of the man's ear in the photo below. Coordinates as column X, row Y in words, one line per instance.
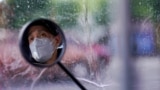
column 58, row 40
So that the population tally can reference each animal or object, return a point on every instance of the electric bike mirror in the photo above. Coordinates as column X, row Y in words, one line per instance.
column 42, row 42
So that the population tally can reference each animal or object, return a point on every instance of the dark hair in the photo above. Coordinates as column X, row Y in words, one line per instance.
column 51, row 26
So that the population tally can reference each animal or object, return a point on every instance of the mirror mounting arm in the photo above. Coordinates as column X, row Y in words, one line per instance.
column 71, row 76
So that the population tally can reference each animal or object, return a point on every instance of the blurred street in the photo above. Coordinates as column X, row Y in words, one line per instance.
column 147, row 73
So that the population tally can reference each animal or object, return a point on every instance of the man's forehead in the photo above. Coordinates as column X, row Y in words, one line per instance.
column 38, row 28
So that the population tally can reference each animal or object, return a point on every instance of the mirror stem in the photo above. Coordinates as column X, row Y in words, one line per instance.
column 71, row 76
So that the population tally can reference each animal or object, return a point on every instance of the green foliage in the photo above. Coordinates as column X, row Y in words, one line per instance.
column 144, row 8
column 156, row 13
column 66, row 13
column 101, row 15
column 141, row 9
column 26, row 10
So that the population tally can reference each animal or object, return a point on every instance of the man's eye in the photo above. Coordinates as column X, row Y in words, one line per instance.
column 43, row 35
column 31, row 39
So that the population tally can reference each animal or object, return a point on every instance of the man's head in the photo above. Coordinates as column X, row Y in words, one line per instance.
column 43, row 44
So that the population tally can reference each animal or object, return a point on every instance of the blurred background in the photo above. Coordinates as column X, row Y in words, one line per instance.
column 111, row 45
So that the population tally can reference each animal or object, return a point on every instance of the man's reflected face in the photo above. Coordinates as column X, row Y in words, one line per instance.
column 43, row 44
column 38, row 31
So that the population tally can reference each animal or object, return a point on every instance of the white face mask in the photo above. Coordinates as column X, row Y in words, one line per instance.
column 42, row 49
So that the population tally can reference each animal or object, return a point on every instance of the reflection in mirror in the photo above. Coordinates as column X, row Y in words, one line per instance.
column 43, row 45
column 42, row 42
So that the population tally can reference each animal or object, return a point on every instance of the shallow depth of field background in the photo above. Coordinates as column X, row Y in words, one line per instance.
column 92, row 44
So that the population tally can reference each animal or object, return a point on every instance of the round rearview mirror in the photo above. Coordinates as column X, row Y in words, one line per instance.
column 42, row 42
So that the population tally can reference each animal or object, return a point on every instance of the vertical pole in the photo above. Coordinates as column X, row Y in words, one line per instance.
column 121, row 30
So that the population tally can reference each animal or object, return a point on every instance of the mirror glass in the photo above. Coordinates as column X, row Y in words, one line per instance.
column 42, row 42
